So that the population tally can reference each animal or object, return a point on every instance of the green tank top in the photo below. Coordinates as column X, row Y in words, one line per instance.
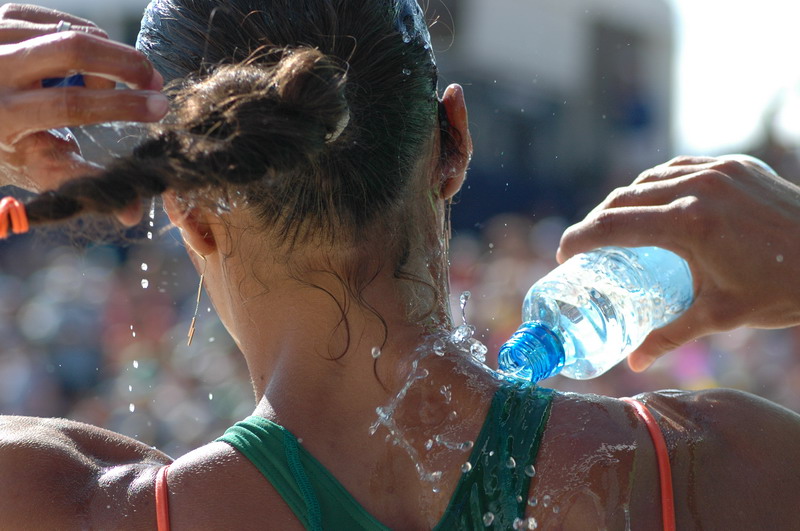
column 496, row 482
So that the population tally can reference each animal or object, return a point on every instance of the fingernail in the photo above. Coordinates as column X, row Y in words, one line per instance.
column 157, row 105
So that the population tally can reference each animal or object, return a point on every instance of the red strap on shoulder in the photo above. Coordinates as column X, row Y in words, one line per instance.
column 664, row 468
column 162, row 499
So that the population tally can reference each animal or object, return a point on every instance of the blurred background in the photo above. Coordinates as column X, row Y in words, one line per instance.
column 568, row 99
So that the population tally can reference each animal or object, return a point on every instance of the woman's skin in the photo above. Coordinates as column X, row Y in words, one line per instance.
column 731, row 466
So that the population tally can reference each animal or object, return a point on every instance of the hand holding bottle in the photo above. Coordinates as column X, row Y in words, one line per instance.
column 737, row 225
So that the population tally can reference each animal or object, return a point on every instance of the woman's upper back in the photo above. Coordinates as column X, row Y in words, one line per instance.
column 734, row 465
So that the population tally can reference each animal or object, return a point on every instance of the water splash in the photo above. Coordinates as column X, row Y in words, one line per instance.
column 439, row 347
column 525, row 523
column 395, row 436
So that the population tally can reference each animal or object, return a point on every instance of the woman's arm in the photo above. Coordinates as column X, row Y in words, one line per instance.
column 735, row 459
column 736, row 224
column 59, row 474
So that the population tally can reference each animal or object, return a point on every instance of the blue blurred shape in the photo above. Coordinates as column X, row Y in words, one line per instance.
column 71, row 81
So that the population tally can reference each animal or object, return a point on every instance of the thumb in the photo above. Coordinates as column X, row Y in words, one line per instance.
column 665, row 339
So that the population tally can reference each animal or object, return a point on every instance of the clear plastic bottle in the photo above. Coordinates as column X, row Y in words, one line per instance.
column 589, row 313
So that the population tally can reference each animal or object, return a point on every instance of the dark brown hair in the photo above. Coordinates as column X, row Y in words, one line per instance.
column 264, row 92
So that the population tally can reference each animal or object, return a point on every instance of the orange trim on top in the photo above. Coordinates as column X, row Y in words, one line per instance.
column 12, row 212
column 162, row 499
column 664, row 468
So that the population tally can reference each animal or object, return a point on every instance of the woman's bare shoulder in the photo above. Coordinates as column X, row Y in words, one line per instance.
column 60, row 474
column 216, row 487
column 734, row 450
column 727, row 449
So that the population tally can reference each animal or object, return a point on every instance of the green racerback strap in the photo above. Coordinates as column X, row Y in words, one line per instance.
column 506, row 446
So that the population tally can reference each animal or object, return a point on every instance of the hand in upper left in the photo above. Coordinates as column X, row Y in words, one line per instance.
column 32, row 155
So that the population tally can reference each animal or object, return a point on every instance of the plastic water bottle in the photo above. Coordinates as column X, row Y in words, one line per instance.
column 589, row 313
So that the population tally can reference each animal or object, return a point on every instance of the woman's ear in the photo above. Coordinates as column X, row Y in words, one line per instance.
column 193, row 223
column 455, row 167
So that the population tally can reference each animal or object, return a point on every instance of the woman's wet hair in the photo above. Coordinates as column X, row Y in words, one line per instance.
column 313, row 112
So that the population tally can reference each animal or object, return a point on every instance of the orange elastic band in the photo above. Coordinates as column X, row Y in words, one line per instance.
column 12, row 212
column 662, row 457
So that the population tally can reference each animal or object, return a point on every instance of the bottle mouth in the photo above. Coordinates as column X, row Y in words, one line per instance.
column 533, row 353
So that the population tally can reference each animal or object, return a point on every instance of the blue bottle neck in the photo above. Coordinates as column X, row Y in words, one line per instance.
column 533, row 353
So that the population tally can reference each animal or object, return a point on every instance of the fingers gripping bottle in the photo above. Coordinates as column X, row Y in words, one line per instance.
column 589, row 313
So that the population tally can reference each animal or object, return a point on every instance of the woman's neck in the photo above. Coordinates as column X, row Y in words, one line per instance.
column 310, row 345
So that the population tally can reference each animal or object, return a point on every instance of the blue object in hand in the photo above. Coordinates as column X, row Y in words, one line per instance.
column 71, row 81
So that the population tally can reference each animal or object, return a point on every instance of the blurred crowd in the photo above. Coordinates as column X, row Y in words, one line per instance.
column 98, row 333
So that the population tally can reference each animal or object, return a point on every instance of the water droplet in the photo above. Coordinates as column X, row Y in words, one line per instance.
column 488, row 518
column 532, row 523
column 144, row 266
column 519, row 499
column 132, row 408
column 533, row 501
column 406, row 72
column 556, row 509
column 519, row 523
column 149, row 235
column 212, row 339
column 546, row 500
column 530, row 471
column 406, row 38
column 466, row 467
column 130, row 388
column 429, row 444
column 464, row 298
column 511, row 463
column 478, row 351
column 135, row 364
column 445, row 390
column 779, row 258
column 438, row 347
column 462, row 334
column 376, row 352
column 211, row 396
column 145, row 283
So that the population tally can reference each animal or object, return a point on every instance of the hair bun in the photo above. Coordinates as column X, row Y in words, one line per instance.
column 247, row 121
